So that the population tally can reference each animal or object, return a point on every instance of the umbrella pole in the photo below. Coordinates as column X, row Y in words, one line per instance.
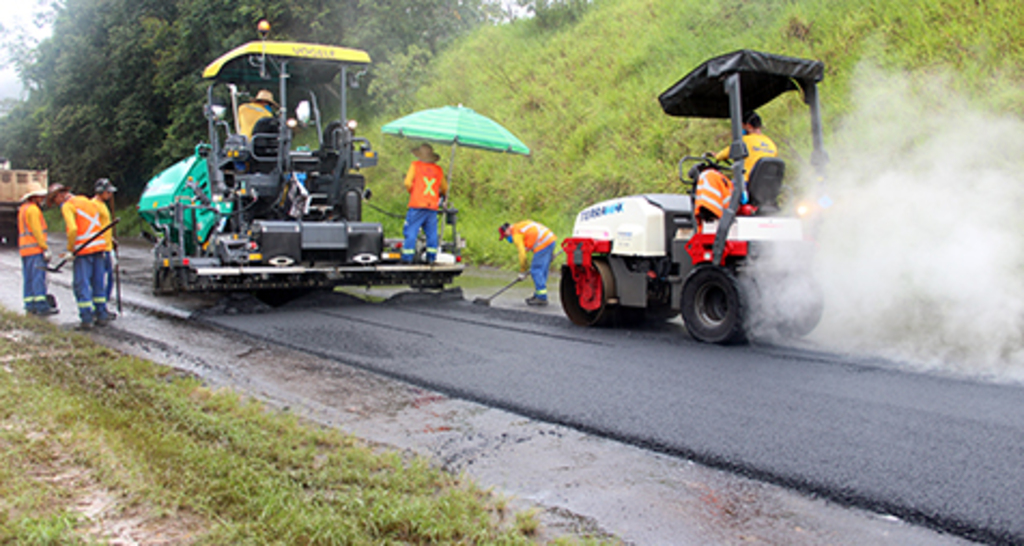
column 448, row 200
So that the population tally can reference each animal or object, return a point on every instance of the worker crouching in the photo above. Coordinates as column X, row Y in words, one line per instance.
column 533, row 237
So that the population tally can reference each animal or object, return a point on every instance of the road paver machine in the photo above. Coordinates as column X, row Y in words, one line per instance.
column 257, row 212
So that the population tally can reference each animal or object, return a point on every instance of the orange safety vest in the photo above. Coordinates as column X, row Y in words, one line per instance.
column 535, row 236
column 426, row 185
column 713, row 192
column 86, row 216
column 27, row 243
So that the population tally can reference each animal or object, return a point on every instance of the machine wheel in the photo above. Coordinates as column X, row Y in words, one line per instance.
column 712, row 306
column 587, row 304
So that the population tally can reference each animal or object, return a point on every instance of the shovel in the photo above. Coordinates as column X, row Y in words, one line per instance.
column 487, row 301
column 60, row 264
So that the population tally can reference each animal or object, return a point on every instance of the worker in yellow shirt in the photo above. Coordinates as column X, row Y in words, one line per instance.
column 85, row 249
column 262, row 106
column 758, row 144
column 35, row 252
column 533, row 237
column 103, row 195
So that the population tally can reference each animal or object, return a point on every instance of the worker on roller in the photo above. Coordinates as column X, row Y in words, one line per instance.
column 758, row 144
column 427, row 187
column 103, row 193
column 262, row 106
column 85, row 250
column 531, row 236
column 35, row 252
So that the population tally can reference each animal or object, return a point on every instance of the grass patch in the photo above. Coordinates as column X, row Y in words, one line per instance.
column 79, row 422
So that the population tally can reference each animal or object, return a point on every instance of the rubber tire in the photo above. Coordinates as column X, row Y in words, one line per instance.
column 712, row 306
column 604, row 315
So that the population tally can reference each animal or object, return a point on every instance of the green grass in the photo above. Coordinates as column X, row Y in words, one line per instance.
column 583, row 96
column 238, row 473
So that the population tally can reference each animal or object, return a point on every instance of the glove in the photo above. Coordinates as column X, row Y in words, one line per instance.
column 708, row 155
column 522, row 276
column 46, row 256
column 68, row 257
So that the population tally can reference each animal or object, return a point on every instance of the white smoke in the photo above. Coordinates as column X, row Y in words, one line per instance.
column 921, row 254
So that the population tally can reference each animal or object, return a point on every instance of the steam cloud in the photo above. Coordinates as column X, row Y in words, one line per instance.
column 920, row 257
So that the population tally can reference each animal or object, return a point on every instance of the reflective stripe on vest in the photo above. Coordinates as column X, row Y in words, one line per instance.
column 27, row 243
column 541, row 235
column 425, row 192
column 87, row 221
column 714, row 191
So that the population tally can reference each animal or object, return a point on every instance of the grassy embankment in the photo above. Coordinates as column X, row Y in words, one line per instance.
column 81, row 425
column 583, row 97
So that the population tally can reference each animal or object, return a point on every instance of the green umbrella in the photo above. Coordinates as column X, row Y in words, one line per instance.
column 457, row 125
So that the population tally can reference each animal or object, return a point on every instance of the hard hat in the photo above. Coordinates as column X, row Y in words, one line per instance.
column 35, row 189
column 104, row 184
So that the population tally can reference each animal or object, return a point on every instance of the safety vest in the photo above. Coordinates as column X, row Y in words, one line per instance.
column 713, row 192
column 27, row 243
column 108, row 237
column 426, row 185
column 86, row 216
column 249, row 113
column 535, row 236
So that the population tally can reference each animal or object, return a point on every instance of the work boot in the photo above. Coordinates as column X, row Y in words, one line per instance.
column 48, row 311
column 84, row 326
column 101, row 322
column 536, row 302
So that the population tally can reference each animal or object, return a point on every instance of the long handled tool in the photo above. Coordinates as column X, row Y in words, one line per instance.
column 60, row 264
column 487, row 301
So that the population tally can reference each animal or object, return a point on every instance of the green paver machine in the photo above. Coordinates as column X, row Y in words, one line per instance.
column 251, row 211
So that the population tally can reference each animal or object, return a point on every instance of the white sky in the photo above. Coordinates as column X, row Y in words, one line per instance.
column 15, row 14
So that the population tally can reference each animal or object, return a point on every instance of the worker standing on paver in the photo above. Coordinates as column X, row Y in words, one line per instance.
column 427, row 186
column 35, row 252
column 82, row 222
column 531, row 236
column 103, row 193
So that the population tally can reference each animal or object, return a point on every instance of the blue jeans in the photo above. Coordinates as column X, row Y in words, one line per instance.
column 108, row 267
column 89, row 287
column 539, row 271
column 414, row 220
column 33, row 277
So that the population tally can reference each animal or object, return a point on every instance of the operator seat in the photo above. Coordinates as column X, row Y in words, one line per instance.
column 765, row 184
column 266, row 139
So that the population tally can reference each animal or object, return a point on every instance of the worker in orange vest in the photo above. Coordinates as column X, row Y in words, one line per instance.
column 714, row 191
column 103, row 193
column 427, row 186
column 35, row 252
column 82, row 223
column 533, row 237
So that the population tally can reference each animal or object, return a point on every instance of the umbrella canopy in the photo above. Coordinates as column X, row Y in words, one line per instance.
column 457, row 125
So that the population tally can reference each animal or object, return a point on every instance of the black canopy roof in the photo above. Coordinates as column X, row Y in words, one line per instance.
column 763, row 76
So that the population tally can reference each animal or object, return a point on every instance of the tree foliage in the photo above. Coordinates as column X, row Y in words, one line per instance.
column 116, row 90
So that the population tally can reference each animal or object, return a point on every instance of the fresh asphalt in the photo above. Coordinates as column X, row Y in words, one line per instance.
column 939, row 451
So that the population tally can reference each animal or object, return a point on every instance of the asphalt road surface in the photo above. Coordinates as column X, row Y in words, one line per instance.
column 938, row 451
